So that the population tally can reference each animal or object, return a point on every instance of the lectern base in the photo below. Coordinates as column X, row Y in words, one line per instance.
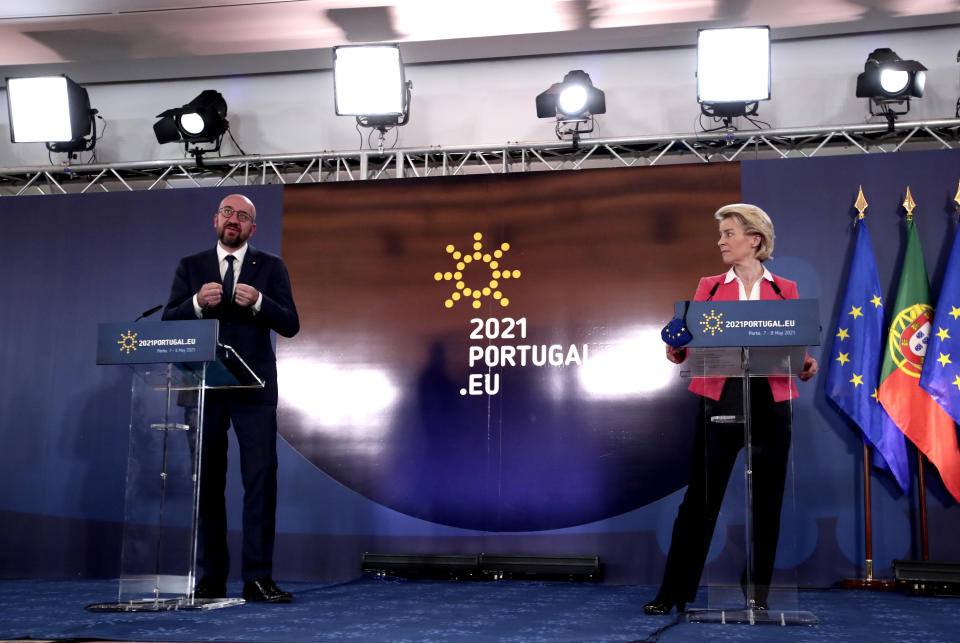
column 166, row 604
column 749, row 616
column 210, row 603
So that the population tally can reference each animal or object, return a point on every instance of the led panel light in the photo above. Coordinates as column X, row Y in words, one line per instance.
column 368, row 80
column 47, row 109
column 733, row 65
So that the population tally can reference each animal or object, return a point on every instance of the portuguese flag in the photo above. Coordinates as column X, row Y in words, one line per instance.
column 909, row 406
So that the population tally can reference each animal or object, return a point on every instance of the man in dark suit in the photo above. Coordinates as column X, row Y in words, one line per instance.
column 249, row 292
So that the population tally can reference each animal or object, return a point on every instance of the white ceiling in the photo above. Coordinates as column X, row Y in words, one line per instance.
column 110, row 40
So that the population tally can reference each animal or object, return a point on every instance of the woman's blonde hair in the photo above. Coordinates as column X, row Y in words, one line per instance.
column 754, row 221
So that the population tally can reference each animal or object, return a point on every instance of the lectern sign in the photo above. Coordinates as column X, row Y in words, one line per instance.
column 157, row 342
column 790, row 322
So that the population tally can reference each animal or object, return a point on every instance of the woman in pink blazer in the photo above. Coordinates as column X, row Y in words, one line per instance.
column 746, row 241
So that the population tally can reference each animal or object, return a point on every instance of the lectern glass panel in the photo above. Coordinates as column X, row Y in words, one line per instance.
column 746, row 461
column 159, row 542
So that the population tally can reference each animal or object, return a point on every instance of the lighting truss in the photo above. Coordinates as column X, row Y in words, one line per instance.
column 412, row 163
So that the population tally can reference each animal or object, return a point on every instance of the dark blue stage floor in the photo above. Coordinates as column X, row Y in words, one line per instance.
column 389, row 610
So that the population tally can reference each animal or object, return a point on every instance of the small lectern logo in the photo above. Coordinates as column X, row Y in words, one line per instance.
column 712, row 323
column 128, row 342
column 486, row 277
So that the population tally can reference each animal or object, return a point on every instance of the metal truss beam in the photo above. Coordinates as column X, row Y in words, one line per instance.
column 412, row 163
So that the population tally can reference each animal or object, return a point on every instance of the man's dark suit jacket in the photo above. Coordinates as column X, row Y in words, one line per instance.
column 247, row 333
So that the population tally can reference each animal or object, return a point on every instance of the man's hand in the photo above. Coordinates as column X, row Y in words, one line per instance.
column 676, row 354
column 209, row 294
column 810, row 369
column 245, row 295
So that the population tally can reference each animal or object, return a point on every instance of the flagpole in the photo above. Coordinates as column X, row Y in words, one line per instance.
column 867, row 513
column 924, row 541
column 861, row 205
column 869, row 582
column 909, row 205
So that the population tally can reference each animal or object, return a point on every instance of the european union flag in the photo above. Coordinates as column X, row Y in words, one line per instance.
column 941, row 375
column 853, row 374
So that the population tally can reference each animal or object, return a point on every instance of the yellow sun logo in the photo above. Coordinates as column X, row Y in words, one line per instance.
column 712, row 323
column 128, row 342
column 489, row 282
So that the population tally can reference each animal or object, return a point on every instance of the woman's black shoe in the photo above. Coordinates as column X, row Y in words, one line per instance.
column 658, row 607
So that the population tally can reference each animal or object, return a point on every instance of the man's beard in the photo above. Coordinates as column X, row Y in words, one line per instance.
column 235, row 242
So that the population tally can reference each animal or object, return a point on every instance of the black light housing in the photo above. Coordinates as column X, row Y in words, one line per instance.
column 888, row 80
column 575, row 98
column 573, row 102
column 52, row 110
column 887, row 77
column 202, row 120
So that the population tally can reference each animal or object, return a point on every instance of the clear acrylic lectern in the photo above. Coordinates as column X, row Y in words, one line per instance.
column 159, row 543
column 734, row 597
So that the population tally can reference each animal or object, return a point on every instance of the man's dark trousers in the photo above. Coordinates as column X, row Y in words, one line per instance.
column 256, row 430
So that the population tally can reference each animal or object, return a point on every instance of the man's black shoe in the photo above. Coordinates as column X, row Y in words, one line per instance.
column 660, row 607
column 210, row 588
column 264, row 590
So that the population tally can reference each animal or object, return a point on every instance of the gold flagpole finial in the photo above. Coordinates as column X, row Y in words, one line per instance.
column 909, row 204
column 861, row 203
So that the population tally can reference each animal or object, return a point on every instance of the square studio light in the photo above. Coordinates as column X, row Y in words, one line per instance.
column 733, row 65
column 368, row 80
column 47, row 109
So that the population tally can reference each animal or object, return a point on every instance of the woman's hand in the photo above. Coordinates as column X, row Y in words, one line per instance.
column 810, row 369
column 676, row 354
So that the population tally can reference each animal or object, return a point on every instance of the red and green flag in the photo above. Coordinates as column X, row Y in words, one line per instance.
column 910, row 407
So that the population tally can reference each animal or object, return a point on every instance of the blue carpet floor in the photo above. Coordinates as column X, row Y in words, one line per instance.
column 371, row 609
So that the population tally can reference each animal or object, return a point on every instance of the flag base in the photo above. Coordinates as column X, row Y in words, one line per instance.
column 867, row 583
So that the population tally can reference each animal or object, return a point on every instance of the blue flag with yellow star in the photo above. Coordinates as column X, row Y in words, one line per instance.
column 853, row 374
column 941, row 375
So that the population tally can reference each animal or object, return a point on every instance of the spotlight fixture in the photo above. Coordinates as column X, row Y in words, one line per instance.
column 369, row 83
column 202, row 120
column 888, row 80
column 52, row 110
column 733, row 71
column 573, row 102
